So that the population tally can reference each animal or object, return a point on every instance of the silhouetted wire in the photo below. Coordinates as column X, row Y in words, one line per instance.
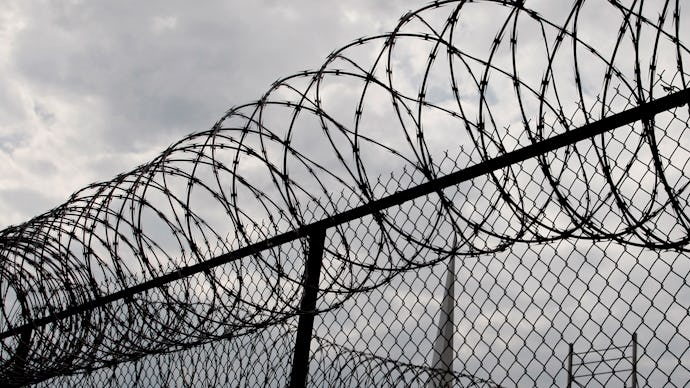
column 372, row 120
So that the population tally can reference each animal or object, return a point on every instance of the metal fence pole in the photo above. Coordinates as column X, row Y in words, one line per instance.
column 312, row 273
column 570, row 365
column 634, row 360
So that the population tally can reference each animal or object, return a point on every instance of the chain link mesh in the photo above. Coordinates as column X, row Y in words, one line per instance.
column 190, row 270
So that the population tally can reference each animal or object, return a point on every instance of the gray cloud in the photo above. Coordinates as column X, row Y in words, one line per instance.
column 94, row 87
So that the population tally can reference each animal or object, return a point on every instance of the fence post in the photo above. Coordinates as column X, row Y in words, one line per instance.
column 634, row 360
column 570, row 365
column 312, row 273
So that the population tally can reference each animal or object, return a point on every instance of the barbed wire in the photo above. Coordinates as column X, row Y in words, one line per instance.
column 443, row 91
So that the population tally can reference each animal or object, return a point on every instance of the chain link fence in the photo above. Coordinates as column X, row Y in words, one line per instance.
column 459, row 226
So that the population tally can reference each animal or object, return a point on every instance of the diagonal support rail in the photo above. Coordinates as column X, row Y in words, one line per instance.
column 641, row 112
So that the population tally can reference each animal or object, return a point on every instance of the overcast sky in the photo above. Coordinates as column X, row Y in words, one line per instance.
column 89, row 89
column 92, row 88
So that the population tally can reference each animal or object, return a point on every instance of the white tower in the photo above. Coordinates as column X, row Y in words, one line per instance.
column 443, row 353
